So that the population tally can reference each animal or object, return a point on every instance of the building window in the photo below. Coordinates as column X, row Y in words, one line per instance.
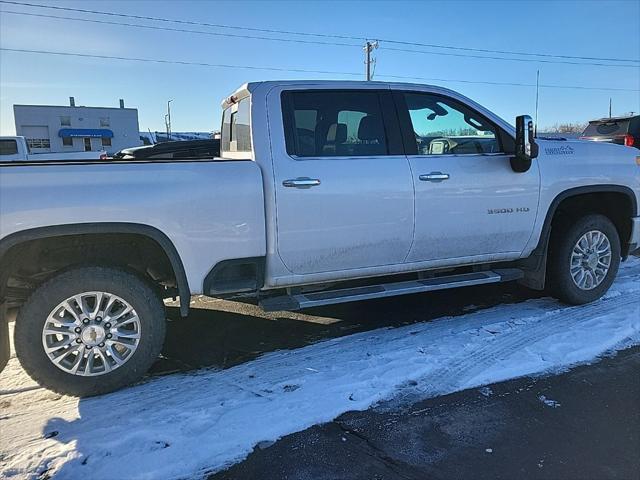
column 104, row 122
column 106, row 142
column 65, row 121
column 38, row 143
column 67, row 141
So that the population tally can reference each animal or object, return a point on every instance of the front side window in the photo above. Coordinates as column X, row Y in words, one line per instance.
column 442, row 126
column 104, row 122
column 236, row 127
column 65, row 121
column 67, row 141
column 8, row 147
column 335, row 123
column 106, row 141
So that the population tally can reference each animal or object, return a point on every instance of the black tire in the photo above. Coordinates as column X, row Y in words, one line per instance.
column 563, row 239
column 33, row 314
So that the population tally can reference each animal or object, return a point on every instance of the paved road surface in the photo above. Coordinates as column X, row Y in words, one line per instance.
column 583, row 424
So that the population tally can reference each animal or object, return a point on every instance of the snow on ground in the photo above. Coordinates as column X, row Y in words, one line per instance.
column 190, row 424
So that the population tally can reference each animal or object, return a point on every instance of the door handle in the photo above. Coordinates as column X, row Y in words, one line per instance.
column 301, row 182
column 434, row 177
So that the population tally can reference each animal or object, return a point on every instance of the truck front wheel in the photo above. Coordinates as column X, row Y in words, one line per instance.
column 584, row 257
column 90, row 330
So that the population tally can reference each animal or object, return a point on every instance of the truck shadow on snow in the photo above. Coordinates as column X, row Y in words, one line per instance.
column 222, row 334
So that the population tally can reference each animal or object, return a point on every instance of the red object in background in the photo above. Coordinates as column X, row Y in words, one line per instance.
column 629, row 140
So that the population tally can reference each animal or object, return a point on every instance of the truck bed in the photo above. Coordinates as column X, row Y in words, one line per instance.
column 211, row 209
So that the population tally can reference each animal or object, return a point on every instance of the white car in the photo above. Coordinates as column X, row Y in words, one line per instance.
column 325, row 192
column 16, row 149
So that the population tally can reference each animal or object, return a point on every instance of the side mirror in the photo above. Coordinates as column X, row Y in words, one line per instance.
column 526, row 146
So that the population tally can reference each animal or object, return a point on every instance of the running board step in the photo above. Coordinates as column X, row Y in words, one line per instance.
column 329, row 297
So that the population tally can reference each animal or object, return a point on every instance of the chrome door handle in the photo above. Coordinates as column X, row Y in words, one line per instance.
column 301, row 182
column 434, row 177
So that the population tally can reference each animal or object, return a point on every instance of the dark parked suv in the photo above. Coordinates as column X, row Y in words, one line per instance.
column 620, row 130
column 171, row 150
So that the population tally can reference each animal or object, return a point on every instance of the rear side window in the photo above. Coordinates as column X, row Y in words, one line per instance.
column 329, row 123
column 8, row 147
column 236, row 127
column 594, row 129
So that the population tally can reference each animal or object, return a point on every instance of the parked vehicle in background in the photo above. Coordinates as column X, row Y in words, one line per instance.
column 170, row 150
column 325, row 192
column 16, row 149
column 620, row 130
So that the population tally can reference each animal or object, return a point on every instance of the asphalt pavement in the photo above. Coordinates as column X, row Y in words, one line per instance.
column 582, row 424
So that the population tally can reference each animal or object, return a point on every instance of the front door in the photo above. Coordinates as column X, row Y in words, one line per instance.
column 87, row 144
column 470, row 204
column 343, row 187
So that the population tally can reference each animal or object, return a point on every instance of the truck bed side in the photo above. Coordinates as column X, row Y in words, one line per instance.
column 210, row 210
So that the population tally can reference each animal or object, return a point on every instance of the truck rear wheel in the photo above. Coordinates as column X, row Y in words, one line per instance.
column 90, row 330
column 584, row 257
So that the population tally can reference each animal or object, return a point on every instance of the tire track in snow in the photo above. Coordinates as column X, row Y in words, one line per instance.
column 469, row 366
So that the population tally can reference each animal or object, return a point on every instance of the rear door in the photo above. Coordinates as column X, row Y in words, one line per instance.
column 343, row 187
column 470, row 204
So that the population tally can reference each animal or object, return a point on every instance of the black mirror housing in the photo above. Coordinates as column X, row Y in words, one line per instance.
column 526, row 146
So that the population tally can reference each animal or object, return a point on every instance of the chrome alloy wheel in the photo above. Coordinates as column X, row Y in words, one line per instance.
column 590, row 260
column 91, row 333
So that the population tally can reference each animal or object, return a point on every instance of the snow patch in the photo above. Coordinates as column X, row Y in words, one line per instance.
column 188, row 425
column 548, row 402
column 485, row 391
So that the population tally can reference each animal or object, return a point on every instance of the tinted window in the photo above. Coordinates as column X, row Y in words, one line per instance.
column 8, row 147
column 236, row 129
column 619, row 127
column 225, row 132
column 330, row 124
column 443, row 126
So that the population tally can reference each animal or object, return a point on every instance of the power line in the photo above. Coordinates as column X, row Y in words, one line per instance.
column 183, row 22
column 508, row 52
column 526, row 60
column 177, row 62
column 319, row 35
column 302, row 70
column 182, row 30
column 295, row 40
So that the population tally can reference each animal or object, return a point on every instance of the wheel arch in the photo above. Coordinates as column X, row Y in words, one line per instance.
column 535, row 264
column 13, row 241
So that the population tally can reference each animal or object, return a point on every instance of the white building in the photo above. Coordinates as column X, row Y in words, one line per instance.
column 52, row 128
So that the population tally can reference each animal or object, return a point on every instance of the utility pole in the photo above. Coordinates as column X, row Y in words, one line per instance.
column 537, row 96
column 609, row 107
column 368, row 48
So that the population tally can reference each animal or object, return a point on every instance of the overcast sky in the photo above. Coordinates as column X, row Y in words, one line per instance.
column 608, row 29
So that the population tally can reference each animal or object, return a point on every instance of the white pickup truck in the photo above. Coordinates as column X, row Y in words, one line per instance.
column 325, row 192
column 16, row 149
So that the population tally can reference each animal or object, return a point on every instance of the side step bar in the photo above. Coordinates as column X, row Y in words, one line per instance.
column 329, row 297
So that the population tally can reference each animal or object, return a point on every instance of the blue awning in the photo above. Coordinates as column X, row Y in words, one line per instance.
column 85, row 132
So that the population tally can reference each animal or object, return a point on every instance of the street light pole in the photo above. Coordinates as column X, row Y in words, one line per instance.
column 168, row 120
